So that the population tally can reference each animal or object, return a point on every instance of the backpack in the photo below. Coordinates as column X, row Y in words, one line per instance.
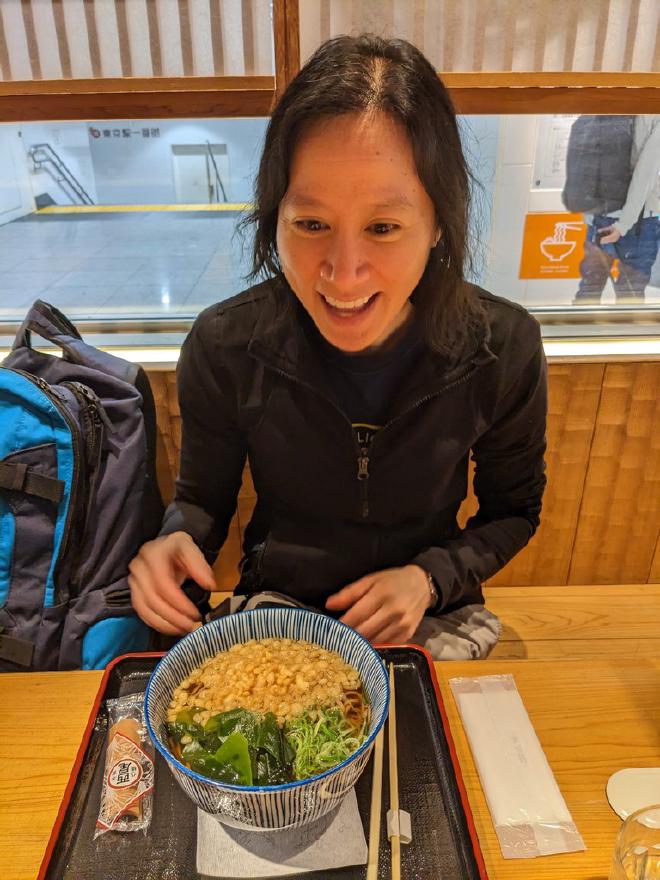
column 78, row 496
column 598, row 164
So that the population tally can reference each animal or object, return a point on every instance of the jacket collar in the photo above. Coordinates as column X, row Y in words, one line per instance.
column 281, row 343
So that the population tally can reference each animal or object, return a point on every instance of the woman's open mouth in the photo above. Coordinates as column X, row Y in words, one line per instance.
column 346, row 309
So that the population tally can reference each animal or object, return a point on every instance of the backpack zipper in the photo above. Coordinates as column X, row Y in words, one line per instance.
column 77, row 478
column 94, row 419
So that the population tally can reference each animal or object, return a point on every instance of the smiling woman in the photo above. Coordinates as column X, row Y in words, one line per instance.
column 354, row 252
column 359, row 376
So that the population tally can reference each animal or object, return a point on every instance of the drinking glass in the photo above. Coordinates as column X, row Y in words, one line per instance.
column 637, row 850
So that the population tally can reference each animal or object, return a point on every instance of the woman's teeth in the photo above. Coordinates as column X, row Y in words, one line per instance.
column 347, row 306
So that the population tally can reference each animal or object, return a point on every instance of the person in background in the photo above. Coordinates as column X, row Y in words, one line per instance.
column 629, row 234
column 358, row 377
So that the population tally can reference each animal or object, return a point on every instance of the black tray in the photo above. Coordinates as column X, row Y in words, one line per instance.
column 430, row 788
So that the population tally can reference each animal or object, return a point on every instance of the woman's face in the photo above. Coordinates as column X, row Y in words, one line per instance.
column 355, row 228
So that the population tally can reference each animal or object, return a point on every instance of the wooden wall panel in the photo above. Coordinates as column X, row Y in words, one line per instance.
column 163, row 385
column 226, row 565
column 654, row 577
column 574, row 391
column 470, row 506
column 618, row 528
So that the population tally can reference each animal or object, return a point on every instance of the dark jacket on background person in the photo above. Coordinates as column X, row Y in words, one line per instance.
column 329, row 511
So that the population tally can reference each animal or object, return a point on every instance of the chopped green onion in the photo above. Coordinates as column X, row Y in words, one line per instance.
column 321, row 738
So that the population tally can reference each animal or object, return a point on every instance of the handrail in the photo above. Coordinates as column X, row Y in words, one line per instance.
column 218, row 179
column 66, row 175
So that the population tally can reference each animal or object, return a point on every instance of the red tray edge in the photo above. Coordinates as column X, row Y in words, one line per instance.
column 75, row 770
column 469, row 818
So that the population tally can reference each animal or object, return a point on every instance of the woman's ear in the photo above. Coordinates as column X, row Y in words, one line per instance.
column 437, row 237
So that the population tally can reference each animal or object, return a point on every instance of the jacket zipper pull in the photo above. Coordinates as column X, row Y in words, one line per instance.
column 363, row 476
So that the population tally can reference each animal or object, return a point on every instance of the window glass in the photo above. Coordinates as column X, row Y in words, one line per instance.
column 125, row 218
column 570, row 209
column 138, row 219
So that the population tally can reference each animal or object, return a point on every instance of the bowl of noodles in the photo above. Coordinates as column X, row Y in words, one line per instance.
column 267, row 718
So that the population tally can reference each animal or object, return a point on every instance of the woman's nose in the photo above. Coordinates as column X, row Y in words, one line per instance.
column 344, row 264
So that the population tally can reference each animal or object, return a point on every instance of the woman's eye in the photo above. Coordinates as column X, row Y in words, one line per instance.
column 381, row 229
column 309, row 225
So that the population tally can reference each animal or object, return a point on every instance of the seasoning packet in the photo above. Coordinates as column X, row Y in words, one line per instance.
column 128, row 777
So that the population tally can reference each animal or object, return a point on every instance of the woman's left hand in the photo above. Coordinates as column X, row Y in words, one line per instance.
column 386, row 606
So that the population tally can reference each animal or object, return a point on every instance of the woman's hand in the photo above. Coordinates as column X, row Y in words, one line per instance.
column 386, row 606
column 157, row 573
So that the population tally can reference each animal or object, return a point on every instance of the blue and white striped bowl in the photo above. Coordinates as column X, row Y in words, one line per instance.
column 271, row 806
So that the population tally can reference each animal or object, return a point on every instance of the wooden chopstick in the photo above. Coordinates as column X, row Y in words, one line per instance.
column 395, row 839
column 374, row 816
column 377, row 793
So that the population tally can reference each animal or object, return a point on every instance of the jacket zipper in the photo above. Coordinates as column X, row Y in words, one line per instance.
column 364, row 450
column 363, row 477
column 78, row 473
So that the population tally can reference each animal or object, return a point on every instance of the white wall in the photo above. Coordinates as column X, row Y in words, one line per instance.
column 132, row 169
column 15, row 193
column 71, row 143
column 135, row 169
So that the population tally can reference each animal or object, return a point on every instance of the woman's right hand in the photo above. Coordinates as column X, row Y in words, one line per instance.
column 155, row 579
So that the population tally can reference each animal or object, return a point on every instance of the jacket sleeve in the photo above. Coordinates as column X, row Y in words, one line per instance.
column 213, row 448
column 509, row 483
column 644, row 177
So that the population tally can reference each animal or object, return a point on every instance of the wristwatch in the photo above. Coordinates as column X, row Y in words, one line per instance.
column 432, row 590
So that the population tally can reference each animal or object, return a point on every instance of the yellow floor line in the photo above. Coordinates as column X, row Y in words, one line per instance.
column 120, row 209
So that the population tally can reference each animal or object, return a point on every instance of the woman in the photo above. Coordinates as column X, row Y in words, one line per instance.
column 360, row 375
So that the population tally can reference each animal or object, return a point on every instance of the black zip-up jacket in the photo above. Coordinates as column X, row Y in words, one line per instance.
column 328, row 511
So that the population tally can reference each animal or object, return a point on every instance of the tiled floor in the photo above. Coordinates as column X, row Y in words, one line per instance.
column 121, row 264
column 148, row 265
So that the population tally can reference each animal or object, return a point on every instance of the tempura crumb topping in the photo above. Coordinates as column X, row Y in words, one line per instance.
column 282, row 676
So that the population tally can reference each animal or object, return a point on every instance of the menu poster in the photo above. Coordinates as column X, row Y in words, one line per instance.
column 550, row 154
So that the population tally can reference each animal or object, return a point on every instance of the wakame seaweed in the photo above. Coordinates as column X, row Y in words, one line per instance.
column 243, row 748
column 238, row 747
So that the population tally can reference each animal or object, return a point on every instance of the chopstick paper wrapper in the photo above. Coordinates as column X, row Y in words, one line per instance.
column 528, row 811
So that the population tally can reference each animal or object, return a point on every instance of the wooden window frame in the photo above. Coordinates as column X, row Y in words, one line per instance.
column 236, row 96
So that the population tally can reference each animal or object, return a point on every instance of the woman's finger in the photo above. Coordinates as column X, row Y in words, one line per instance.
column 391, row 634
column 152, row 619
column 349, row 594
column 192, row 560
column 155, row 577
column 167, row 612
column 374, row 624
column 364, row 608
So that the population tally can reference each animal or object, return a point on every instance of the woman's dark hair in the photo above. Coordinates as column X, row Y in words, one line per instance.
column 366, row 74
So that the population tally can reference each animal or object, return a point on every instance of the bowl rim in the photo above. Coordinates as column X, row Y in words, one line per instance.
column 285, row 786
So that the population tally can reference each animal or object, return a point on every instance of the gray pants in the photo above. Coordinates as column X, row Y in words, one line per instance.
column 470, row 633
